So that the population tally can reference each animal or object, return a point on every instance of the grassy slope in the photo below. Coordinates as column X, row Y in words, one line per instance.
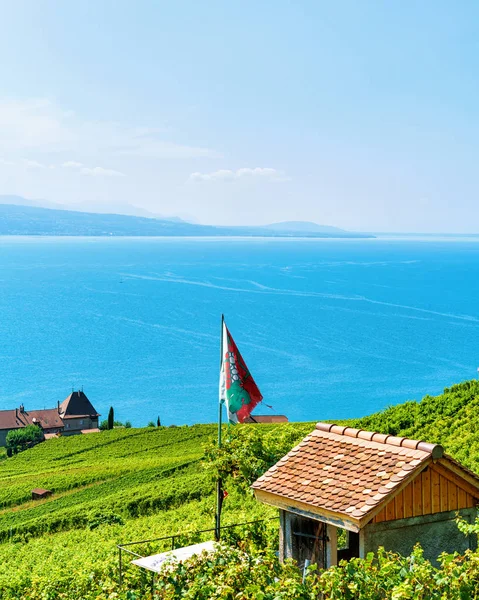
column 153, row 479
column 451, row 419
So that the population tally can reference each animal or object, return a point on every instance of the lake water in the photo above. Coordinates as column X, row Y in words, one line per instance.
column 329, row 328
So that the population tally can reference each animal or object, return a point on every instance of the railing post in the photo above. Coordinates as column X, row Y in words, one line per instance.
column 172, row 542
column 121, row 574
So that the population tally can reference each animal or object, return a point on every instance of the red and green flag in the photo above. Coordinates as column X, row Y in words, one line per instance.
column 238, row 390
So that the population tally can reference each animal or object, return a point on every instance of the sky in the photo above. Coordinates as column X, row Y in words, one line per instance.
column 362, row 115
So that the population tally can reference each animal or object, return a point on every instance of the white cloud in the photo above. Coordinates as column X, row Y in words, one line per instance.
column 93, row 171
column 100, row 171
column 32, row 164
column 42, row 126
column 72, row 164
column 24, row 163
column 264, row 173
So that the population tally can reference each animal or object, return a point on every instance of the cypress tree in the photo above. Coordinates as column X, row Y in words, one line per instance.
column 111, row 418
column 158, row 422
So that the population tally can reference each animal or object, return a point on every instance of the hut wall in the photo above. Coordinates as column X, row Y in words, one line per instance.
column 436, row 533
column 434, row 490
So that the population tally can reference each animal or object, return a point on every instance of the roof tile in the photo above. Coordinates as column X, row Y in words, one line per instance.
column 344, row 470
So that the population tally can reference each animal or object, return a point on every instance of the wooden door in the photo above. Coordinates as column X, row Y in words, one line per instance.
column 309, row 541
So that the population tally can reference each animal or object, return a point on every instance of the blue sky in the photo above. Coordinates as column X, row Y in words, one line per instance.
column 363, row 115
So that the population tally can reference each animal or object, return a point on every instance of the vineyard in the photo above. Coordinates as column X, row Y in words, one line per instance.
column 132, row 484
column 111, row 487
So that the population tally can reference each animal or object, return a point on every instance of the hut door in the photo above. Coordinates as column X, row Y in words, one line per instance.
column 309, row 542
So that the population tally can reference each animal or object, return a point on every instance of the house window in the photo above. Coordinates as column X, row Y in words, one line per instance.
column 81, row 421
column 67, row 425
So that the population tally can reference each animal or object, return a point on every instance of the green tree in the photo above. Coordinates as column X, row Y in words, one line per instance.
column 158, row 422
column 21, row 439
column 111, row 418
column 151, row 424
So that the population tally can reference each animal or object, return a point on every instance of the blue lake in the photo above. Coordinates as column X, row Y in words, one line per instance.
column 329, row 328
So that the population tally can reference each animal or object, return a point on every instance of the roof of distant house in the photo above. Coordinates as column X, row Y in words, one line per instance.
column 77, row 405
column 350, row 472
column 266, row 419
column 16, row 418
column 47, row 418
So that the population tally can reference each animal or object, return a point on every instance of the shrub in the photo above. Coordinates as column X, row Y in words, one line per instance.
column 21, row 439
column 249, row 451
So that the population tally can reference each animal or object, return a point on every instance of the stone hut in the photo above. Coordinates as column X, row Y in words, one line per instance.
column 383, row 490
column 40, row 494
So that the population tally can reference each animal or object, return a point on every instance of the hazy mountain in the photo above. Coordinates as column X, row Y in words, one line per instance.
column 118, row 209
column 20, row 201
column 303, row 226
column 18, row 219
column 90, row 207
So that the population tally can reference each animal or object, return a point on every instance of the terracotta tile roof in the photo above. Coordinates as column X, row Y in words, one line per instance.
column 12, row 419
column 47, row 418
column 266, row 419
column 345, row 470
column 15, row 418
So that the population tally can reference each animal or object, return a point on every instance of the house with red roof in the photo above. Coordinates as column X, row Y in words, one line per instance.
column 72, row 416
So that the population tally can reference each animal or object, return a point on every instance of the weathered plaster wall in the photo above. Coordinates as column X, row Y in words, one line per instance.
column 436, row 533
column 73, row 426
column 3, row 436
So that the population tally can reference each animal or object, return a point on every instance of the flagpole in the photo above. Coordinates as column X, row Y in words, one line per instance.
column 219, row 490
column 220, row 406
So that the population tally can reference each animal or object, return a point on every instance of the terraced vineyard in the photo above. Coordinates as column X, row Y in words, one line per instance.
column 140, row 483
column 132, row 484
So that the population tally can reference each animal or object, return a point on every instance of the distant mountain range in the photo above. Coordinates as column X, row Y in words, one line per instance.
column 305, row 226
column 21, row 219
column 91, row 207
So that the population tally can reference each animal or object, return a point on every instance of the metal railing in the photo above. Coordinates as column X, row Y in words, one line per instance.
column 123, row 547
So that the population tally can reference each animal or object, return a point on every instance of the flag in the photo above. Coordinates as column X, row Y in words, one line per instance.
column 238, row 389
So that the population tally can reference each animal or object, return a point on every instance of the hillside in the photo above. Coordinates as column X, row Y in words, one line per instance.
column 450, row 419
column 130, row 484
column 33, row 220
column 150, row 479
column 89, row 207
